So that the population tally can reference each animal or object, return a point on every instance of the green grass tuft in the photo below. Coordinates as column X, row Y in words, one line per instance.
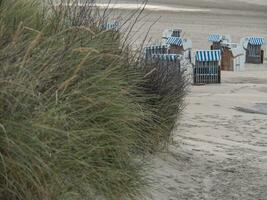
column 76, row 116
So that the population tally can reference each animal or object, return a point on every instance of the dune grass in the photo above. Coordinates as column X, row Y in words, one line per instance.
column 78, row 115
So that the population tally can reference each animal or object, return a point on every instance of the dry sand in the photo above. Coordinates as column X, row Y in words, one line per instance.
column 219, row 151
column 241, row 19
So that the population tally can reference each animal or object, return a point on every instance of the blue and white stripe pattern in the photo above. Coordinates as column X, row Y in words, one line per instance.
column 175, row 41
column 208, row 55
column 166, row 57
column 111, row 26
column 256, row 40
column 156, row 49
column 215, row 37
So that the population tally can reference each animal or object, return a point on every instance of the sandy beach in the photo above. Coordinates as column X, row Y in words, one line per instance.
column 220, row 148
column 198, row 19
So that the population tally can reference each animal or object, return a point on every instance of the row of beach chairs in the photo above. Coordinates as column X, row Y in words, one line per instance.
column 223, row 54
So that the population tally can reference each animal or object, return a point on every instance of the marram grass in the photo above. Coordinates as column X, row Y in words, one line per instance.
column 77, row 118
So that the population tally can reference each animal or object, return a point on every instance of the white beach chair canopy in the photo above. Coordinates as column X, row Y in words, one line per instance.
column 237, row 52
column 256, row 40
column 252, row 40
column 215, row 37
column 187, row 44
column 235, row 48
column 208, row 55
column 175, row 41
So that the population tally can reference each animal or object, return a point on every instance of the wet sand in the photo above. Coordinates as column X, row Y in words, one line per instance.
column 220, row 149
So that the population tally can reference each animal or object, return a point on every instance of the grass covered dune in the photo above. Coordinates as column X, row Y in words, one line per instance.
column 78, row 113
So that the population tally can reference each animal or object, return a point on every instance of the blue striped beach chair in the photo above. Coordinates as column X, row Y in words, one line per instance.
column 254, row 51
column 168, row 61
column 156, row 49
column 111, row 26
column 207, row 68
